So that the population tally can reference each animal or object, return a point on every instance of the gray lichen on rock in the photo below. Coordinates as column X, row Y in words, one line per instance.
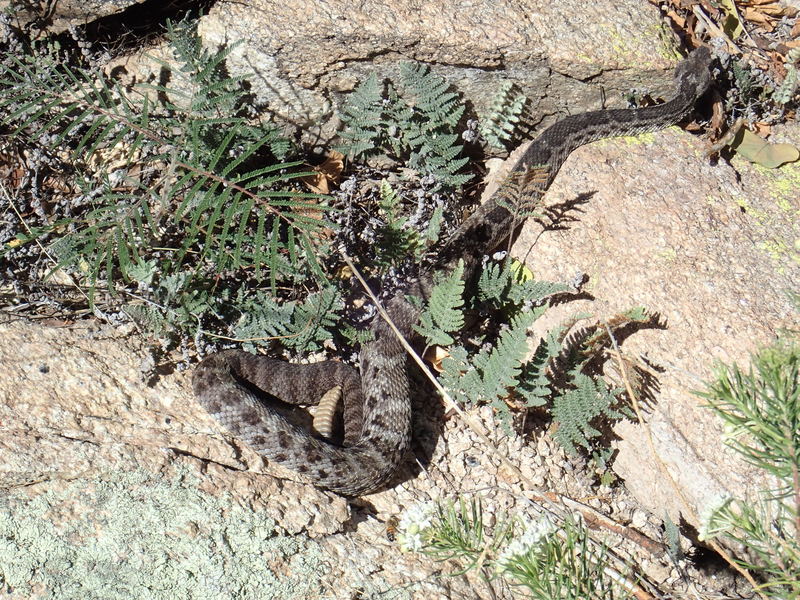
column 135, row 535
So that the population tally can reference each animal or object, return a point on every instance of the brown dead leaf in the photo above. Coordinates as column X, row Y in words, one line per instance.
column 771, row 7
column 435, row 355
column 762, row 129
column 327, row 173
column 756, row 16
column 13, row 175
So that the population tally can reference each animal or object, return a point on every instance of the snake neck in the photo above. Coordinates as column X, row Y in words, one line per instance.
column 537, row 167
column 558, row 141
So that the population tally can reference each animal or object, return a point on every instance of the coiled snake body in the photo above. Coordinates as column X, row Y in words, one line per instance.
column 377, row 406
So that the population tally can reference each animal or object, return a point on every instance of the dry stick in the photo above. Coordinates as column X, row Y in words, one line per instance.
column 540, row 496
column 663, row 467
column 715, row 29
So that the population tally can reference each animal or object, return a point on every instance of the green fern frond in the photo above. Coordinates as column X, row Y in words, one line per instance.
column 436, row 112
column 535, row 386
column 503, row 284
column 492, row 373
column 416, row 126
column 443, row 314
column 502, row 366
column 183, row 303
column 534, row 291
column 494, row 282
column 431, row 233
column 354, row 335
column 575, row 410
column 302, row 326
column 313, row 320
column 784, row 93
column 499, row 124
column 262, row 319
column 396, row 240
column 44, row 100
column 109, row 237
column 364, row 116
column 430, row 95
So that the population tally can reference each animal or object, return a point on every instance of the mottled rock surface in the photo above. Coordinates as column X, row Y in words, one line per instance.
column 303, row 56
column 710, row 247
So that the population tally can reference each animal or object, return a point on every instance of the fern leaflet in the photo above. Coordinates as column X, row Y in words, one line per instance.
column 416, row 126
column 443, row 314
column 498, row 126
column 575, row 410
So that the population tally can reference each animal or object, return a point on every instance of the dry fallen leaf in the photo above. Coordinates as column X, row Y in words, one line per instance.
column 772, row 7
column 327, row 172
column 756, row 16
column 762, row 129
column 758, row 150
column 435, row 355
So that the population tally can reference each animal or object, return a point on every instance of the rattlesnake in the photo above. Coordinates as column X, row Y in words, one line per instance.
column 377, row 406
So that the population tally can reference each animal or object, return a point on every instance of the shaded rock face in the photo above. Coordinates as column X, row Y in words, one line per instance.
column 662, row 228
column 300, row 57
column 56, row 17
column 304, row 57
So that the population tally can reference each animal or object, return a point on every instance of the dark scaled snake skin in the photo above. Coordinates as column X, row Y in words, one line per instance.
column 377, row 405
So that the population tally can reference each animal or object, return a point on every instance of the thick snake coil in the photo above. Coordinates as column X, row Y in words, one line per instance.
column 377, row 406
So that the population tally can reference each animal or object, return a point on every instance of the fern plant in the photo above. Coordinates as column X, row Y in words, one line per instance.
column 301, row 326
column 443, row 315
column 504, row 114
column 505, row 373
column 493, row 372
column 396, row 240
column 188, row 206
column 580, row 399
column 416, row 124
column 179, row 185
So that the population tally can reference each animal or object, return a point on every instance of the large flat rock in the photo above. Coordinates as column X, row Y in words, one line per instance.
column 712, row 248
